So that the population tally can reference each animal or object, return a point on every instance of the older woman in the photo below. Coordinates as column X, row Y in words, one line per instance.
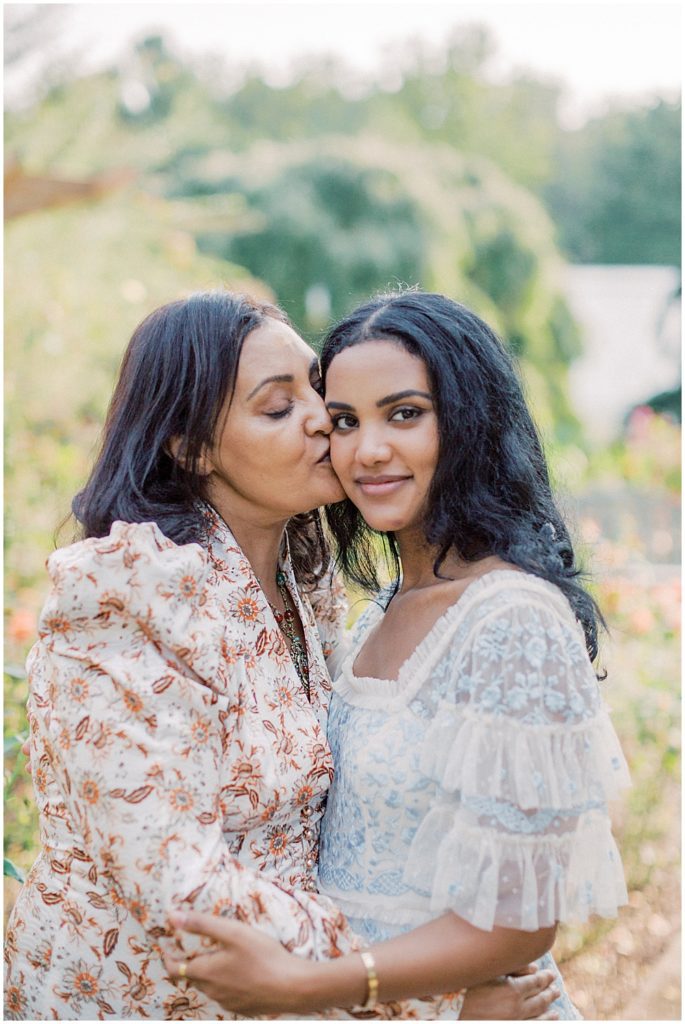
column 178, row 689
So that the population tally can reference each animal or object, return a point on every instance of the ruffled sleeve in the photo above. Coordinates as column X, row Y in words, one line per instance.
column 525, row 759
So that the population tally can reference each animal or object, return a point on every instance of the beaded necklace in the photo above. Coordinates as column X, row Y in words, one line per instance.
column 286, row 623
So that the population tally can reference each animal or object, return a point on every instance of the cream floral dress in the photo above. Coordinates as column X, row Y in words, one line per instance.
column 478, row 780
column 177, row 763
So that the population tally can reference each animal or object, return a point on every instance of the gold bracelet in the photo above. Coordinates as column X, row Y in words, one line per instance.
column 372, row 980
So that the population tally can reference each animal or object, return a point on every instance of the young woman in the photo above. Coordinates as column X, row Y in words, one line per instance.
column 474, row 756
column 178, row 690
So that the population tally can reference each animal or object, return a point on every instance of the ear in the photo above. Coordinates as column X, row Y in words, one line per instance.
column 176, row 448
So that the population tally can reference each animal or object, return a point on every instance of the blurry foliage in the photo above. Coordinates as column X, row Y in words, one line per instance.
column 612, row 187
column 647, row 455
column 618, row 198
column 445, row 96
column 625, row 514
column 340, row 219
column 642, row 604
column 327, row 224
column 669, row 403
column 330, row 219
column 77, row 282
column 21, row 828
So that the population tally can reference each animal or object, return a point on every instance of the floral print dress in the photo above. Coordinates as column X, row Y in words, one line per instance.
column 176, row 763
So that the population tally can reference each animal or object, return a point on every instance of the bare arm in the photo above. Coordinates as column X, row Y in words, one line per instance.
column 441, row 956
column 253, row 974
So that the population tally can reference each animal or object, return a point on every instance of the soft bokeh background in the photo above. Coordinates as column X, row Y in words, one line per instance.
column 523, row 158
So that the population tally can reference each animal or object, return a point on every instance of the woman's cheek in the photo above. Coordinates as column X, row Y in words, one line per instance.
column 339, row 456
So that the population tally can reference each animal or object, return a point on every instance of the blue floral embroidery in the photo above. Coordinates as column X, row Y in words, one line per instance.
column 514, row 670
column 535, row 651
column 554, row 701
column 526, row 822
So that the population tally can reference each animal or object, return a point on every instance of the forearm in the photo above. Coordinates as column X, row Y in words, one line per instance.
column 445, row 955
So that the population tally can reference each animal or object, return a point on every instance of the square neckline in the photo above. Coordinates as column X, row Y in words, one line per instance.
column 437, row 627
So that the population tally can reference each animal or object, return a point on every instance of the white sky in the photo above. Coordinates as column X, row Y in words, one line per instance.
column 599, row 50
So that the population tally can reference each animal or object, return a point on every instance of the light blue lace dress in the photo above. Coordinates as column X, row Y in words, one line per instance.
column 478, row 780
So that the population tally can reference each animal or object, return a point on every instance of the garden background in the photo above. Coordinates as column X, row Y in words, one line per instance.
column 162, row 174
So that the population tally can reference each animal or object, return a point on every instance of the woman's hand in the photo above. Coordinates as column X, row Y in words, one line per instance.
column 251, row 973
column 523, row 996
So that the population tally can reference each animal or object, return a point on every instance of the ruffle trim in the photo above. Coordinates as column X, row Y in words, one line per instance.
column 372, row 692
column 558, row 765
column 528, row 883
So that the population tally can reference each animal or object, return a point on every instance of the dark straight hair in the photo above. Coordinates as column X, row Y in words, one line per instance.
column 180, row 365
column 491, row 493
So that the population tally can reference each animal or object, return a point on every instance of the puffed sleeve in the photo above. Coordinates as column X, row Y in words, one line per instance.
column 526, row 758
column 120, row 693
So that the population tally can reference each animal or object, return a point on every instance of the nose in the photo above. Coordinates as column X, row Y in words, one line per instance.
column 371, row 447
column 317, row 420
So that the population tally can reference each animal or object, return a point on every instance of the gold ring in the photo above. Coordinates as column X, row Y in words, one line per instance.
column 182, row 969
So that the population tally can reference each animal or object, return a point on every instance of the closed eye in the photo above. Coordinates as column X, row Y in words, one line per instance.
column 280, row 414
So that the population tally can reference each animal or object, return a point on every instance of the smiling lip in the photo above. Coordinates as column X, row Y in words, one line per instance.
column 324, row 459
column 380, row 485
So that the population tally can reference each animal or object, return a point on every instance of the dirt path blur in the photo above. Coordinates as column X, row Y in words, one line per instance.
column 660, row 996
column 633, row 972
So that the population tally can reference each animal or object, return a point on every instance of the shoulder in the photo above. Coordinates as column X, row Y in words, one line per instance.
column 132, row 569
column 519, row 599
column 519, row 587
column 517, row 649
column 126, row 544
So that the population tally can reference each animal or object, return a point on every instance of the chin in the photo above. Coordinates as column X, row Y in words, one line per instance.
column 384, row 524
column 330, row 495
column 334, row 495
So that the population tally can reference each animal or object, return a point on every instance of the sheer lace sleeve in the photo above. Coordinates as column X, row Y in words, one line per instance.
column 526, row 759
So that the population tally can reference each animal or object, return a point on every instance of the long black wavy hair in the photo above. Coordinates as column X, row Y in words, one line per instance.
column 491, row 493
column 180, row 364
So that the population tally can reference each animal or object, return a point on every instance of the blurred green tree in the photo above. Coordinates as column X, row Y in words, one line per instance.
column 330, row 222
column 612, row 187
column 329, row 198
column 329, row 233
column 616, row 192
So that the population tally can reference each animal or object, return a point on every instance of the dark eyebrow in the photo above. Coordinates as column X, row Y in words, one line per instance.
column 278, row 378
column 402, row 394
column 388, row 400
